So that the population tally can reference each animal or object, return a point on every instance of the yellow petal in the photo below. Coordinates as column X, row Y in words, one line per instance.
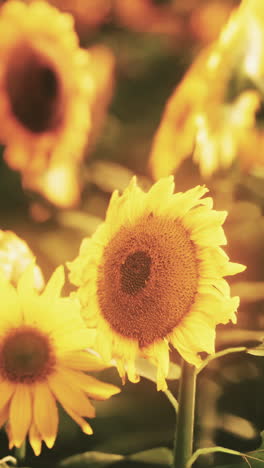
column 183, row 202
column 214, row 236
column 35, row 439
column 103, row 346
column 233, row 268
column 131, row 371
column 158, row 353
column 78, row 339
column 55, row 284
column 10, row 311
column 4, row 413
column 20, row 414
column 160, row 194
column 27, row 294
column 93, row 387
column 6, row 391
column 85, row 426
column 69, row 395
column 82, row 360
column 45, row 413
column 26, row 282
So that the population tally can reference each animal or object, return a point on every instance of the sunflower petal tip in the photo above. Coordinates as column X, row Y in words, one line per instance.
column 36, row 450
column 50, row 441
column 162, row 385
column 113, row 390
column 235, row 302
column 88, row 430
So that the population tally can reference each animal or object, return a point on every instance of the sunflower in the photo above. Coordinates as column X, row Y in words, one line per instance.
column 45, row 93
column 15, row 256
column 152, row 275
column 42, row 338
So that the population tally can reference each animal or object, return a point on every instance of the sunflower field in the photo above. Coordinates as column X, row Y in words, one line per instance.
column 132, row 233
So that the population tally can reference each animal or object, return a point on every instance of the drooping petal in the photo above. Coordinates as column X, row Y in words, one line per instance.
column 45, row 413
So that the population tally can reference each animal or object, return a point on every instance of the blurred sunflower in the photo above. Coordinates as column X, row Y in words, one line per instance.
column 152, row 275
column 42, row 338
column 45, row 93
column 216, row 102
column 88, row 14
column 15, row 256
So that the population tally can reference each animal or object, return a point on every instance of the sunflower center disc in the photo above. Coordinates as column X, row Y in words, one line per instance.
column 25, row 356
column 148, row 279
column 34, row 90
column 135, row 272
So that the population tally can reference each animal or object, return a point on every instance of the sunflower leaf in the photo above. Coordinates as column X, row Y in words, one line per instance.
column 158, row 456
column 91, row 460
column 256, row 462
column 254, row 459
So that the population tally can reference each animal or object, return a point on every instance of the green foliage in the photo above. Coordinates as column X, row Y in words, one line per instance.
column 157, row 456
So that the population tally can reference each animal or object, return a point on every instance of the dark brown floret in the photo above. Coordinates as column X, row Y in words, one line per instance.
column 25, row 355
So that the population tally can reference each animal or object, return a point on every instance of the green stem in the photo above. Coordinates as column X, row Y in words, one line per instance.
column 183, row 447
column 20, row 453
